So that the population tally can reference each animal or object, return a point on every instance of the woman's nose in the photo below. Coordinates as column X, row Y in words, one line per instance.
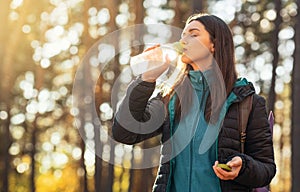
column 182, row 41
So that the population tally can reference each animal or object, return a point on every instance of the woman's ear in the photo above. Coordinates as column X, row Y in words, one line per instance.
column 212, row 48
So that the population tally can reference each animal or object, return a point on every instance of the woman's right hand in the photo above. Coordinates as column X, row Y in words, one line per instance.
column 156, row 67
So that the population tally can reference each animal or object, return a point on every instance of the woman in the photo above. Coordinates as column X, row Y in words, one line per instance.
column 200, row 117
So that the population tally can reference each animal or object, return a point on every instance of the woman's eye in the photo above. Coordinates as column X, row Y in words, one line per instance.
column 194, row 35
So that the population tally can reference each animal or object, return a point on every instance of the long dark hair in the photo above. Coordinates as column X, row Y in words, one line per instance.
column 221, row 36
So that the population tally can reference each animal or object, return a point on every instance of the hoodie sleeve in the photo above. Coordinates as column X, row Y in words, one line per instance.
column 258, row 159
column 137, row 117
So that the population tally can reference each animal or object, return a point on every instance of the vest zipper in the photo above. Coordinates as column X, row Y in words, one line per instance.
column 172, row 118
column 191, row 165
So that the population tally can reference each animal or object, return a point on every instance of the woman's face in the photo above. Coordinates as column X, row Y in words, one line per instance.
column 197, row 46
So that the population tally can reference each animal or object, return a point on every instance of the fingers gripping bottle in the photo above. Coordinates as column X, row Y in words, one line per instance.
column 156, row 57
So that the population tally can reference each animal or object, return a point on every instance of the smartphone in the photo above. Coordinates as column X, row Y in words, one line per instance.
column 224, row 167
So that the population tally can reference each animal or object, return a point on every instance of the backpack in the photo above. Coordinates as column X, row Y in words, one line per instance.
column 244, row 109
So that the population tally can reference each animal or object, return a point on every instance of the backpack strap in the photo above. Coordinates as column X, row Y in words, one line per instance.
column 244, row 109
column 271, row 121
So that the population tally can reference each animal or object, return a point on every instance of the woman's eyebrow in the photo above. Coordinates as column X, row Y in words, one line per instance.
column 191, row 30
column 194, row 29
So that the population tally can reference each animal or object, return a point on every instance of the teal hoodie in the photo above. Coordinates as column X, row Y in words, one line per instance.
column 190, row 169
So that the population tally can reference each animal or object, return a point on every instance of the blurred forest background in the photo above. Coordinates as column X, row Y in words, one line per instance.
column 42, row 43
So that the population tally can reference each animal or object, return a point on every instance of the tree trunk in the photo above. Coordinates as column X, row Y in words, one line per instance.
column 113, row 9
column 274, row 46
column 178, row 20
column 82, row 120
column 198, row 6
column 39, row 81
column 4, row 124
column 98, row 143
column 87, row 42
column 4, row 11
column 296, row 108
column 147, row 178
column 131, row 173
column 111, row 168
column 139, row 11
column 6, row 160
column 9, row 40
column 83, row 167
column 32, row 154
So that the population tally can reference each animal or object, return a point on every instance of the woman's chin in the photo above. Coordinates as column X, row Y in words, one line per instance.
column 185, row 59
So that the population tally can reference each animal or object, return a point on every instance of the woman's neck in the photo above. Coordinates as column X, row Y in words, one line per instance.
column 203, row 64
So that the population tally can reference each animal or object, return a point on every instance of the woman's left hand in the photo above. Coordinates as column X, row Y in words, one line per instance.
column 235, row 164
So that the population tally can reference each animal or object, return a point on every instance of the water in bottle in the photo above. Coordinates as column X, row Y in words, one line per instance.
column 153, row 58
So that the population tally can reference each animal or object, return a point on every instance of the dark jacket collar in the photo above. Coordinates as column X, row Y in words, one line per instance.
column 242, row 89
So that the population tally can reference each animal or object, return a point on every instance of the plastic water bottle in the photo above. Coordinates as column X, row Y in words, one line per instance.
column 155, row 57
